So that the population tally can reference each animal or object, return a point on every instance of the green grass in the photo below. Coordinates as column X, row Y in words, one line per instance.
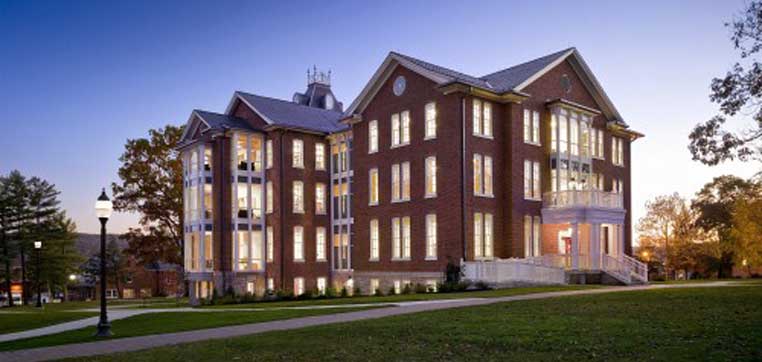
column 167, row 322
column 494, row 293
column 682, row 324
column 24, row 318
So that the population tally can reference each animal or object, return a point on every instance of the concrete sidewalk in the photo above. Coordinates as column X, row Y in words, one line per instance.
column 151, row 341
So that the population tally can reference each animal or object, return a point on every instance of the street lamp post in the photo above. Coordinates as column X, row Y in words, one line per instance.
column 103, row 208
column 37, row 248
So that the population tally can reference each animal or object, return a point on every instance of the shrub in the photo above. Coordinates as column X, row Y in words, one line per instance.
column 421, row 289
column 357, row 292
column 452, row 272
column 392, row 291
column 480, row 285
column 378, row 292
column 344, row 292
column 330, row 292
column 407, row 289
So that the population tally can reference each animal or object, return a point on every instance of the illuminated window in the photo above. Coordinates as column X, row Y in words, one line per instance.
column 401, row 182
column 243, row 250
column 477, row 174
column 596, row 143
column 298, row 286
column 431, row 121
column 431, row 237
column 531, row 127
column 269, row 152
column 395, row 130
column 531, row 236
column 482, row 118
column 270, row 241
column 401, row 129
column 255, row 154
column 321, row 284
column 256, row 201
column 483, row 235
column 320, row 247
column 406, row 237
column 487, row 178
column 242, row 201
column 298, row 243
column 617, row 151
column 401, row 238
column 532, row 180
column 373, row 181
column 374, row 286
column 431, row 176
column 320, row 208
column 270, row 284
column 320, row 156
column 207, row 158
column 240, row 152
column 482, row 166
column 269, row 197
column 373, row 136
column 374, row 254
column 298, row 197
column 297, row 149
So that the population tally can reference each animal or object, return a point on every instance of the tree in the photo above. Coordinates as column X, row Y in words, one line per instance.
column 714, row 205
column 667, row 231
column 747, row 232
column 59, row 256
column 116, row 265
column 151, row 185
column 17, row 230
column 8, row 249
column 739, row 90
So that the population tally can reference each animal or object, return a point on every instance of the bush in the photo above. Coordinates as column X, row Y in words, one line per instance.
column 330, row 292
column 344, row 292
column 452, row 272
column 451, row 287
column 407, row 289
column 421, row 289
column 392, row 291
column 357, row 292
column 480, row 285
column 378, row 292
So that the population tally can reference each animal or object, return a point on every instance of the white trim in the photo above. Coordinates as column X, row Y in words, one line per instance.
column 193, row 115
column 542, row 72
column 237, row 96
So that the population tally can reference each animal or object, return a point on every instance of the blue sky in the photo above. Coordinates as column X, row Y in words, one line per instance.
column 79, row 78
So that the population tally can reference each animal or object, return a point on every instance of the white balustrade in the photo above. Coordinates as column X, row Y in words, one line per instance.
column 585, row 198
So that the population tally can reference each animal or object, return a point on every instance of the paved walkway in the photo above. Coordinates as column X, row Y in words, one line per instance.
column 151, row 341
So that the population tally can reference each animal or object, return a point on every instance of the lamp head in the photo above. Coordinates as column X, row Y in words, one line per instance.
column 38, row 244
column 103, row 206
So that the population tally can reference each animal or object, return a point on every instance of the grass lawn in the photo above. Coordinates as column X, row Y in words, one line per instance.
column 682, row 324
column 409, row 297
column 23, row 318
column 167, row 322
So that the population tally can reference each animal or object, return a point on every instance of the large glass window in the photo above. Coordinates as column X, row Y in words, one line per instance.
column 243, row 249
column 617, row 151
column 431, row 176
column 401, row 182
column 270, row 243
column 297, row 153
column 298, row 243
column 374, row 253
column 482, row 118
column 406, row 237
column 532, row 180
column 256, row 153
column 269, row 152
column 405, row 127
column 320, row 207
column 531, row 236
column 431, row 121
column 240, row 152
column 478, row 187
column 297, row 195
column 320, row 156
column 431, row 236
column 298, row 286
column 208, row 250
column 269, row 192
column 208, row 201
column 396, row 238
column 483, row 185
column 483, row 235
column 194, row 161
column 243, row 200
column 256, row 201
column 207, row 158
column 396, row 141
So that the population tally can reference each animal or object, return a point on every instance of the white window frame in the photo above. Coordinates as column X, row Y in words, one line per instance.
column 270, row 241
column 401, row 182
column 373, row 136
column 532, row 236
column 320, row 243
column 269, row 152
column 430, row 182
column 298, row 236
column 321, row 207
column 374, row 240
column 297, row 153
column 532, row 182
column 482, row 119
column 396, row 238
column 431, row 237
column 297, row 195
column 532, row 127
column 484, row 235
column 396, row 131
column 320, row 156
column 430, row 125
column 298, row 286
column 321, row 285
column 617, row 151
column 373, row 189
column 483, row 172
column 269, row 197
column 406, row 241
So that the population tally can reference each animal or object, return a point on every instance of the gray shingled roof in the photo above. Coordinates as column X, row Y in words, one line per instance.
column 290, row 114
column 499, row 82
column 219, row 121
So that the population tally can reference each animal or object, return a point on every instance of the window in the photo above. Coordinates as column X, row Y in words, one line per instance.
column 431, row 121
column 240, row 152
column 397, row 287
column 298, row 154
column 374, row 239
column 617, row 186
column 298, row 286
column 374, row 286
column 298, row 243
column 321, row 285
column 373, row 191
column 574, row 135
column 532, row 180
column 320, row 156
column 483, row 175
column 242, row 201
column 483, row 235
column 298, row 197
column 270, row 284
column 597, row 181
column 482, row 118
column 617, row 151
column 431, row 237
column 401, row 238
column 401, row 129
column 596, row 143
column 320, row 236
column 255, row 156
column 320, row 208
column 256, row 201
column 373, row 136
column 207, row 158
column 431, row 176
column 531, row 236
column 531, row 127
column 270, row 241
column 269, row 152
column 243, row 238
column 401, row 182
column 269, row 197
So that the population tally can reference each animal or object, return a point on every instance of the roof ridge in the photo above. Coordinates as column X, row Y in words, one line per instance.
column 551, row 55
column 409, row 57
column 287, row 102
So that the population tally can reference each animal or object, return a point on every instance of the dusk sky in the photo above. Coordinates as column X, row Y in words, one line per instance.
column 77, row 79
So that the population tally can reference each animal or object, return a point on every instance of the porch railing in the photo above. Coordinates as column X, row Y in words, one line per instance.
column 582, row 198
column 616, row 268
column 638, row 269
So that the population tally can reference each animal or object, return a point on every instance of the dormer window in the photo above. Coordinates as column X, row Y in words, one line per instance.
column 328, row 101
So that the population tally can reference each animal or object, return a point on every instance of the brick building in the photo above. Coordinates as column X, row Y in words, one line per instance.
column 427, row 166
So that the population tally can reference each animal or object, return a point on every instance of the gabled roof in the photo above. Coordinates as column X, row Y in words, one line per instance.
column 510, row 80
column 206, row 120
column 278, row 112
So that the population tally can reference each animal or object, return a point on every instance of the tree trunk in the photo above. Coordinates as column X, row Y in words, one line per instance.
column 7, row 269
column 24, row 292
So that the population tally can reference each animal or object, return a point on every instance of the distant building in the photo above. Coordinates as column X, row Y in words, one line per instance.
column 427, row 166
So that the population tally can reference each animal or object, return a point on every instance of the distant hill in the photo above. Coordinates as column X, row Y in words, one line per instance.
column 90, row 244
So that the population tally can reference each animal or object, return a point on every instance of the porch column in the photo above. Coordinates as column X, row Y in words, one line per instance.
column 595, row 246
column 620, row 240
column 575, row 246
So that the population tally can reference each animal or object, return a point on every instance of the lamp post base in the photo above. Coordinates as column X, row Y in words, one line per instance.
column 104, row 330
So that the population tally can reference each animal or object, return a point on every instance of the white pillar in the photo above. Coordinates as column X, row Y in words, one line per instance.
column 620, row 240
column 595, row 245
column 575, row 246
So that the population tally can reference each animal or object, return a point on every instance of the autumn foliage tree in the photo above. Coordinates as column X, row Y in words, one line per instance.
column 151, row 185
